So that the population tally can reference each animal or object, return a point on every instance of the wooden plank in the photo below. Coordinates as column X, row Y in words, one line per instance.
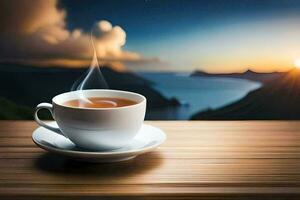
column 183, row 154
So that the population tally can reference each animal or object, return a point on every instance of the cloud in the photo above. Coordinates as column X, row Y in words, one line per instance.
column 35, row 31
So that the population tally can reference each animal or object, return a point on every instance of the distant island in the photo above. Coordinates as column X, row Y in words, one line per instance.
column 23, row 87
column 249, row 75
column 278, row 98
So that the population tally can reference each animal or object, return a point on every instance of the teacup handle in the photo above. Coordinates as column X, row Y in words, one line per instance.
column 49, row 107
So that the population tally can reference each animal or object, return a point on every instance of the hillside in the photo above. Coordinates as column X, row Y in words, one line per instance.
column 277, row 99
column 27, row 86
column 9, row 110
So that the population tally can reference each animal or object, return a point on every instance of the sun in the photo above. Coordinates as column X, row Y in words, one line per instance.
column 297, row 63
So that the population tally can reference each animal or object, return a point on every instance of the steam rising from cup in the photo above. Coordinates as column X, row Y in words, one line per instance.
column 93, row 79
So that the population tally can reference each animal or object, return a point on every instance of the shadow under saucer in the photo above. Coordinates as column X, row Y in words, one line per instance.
column 58, row 164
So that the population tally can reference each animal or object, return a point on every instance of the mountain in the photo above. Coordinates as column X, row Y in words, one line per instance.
column 277, row 99
column 28, row 85
column 249, row 75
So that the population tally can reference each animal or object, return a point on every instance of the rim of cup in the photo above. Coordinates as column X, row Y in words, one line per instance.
column 54, row 99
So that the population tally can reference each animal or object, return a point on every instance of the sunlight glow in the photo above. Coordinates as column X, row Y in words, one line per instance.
column 297, row 63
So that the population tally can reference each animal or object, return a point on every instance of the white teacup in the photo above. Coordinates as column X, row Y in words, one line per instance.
column 96, row 128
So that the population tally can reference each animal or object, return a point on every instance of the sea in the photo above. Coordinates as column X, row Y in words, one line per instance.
column 195, row 93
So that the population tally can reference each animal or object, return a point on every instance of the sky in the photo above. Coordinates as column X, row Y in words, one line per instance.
column 153, row 35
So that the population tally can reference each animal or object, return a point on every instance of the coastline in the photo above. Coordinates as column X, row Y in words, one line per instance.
column 208, row 92
column 277, row 99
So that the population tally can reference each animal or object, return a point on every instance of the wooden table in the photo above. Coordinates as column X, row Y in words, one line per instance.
column 209, row 160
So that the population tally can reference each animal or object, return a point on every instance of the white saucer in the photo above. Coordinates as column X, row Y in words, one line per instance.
column 148, row 138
